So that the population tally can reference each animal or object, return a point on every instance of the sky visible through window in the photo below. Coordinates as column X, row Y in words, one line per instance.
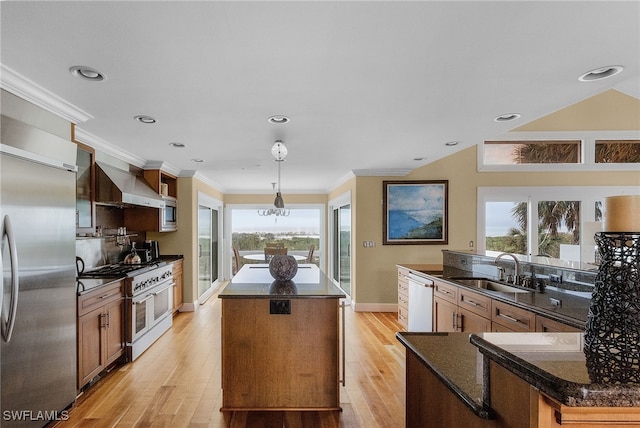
column 300, row 220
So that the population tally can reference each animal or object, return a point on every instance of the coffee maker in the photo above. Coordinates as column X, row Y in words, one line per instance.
column 153, row 247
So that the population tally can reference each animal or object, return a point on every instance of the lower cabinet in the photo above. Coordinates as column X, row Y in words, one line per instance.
column 179, row 285
column 458, row 309
column 544, row 324
column 100, row 330
column 506, row 317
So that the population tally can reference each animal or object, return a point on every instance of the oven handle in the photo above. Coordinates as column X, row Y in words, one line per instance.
column 155, row 293
column 137, row 302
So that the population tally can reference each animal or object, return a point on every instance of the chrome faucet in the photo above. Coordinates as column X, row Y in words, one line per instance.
column 516, row 273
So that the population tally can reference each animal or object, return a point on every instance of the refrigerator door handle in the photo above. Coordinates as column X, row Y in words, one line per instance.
column 8, row 320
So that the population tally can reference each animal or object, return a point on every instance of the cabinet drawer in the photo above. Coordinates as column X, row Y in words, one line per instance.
column 403, row 317
column 445, row 291
column 512, row 318
column 403, row 301
column 545, row 324
column 474, row 302
column 99, row 297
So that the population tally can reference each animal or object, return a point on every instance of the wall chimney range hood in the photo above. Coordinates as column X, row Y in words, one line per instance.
column 117, row 187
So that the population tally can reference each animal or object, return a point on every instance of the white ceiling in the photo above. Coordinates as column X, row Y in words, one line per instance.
column 368, row 86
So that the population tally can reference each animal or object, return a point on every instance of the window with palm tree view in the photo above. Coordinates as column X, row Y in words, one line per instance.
column 554, row 222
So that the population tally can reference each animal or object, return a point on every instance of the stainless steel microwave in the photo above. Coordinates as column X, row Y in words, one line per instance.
column 169, row 214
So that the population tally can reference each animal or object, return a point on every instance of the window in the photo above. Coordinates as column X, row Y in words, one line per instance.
column 298, row 232
column 532, row 152
column 556, row 222
column 561, row 151
column 617, row 151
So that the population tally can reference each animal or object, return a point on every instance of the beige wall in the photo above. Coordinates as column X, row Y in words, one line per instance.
column 376, row 270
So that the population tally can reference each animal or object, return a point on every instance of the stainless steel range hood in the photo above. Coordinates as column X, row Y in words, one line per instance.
column 118, row 187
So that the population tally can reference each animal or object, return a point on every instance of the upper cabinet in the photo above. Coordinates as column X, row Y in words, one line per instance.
column 153, row 219
column 162, row 182
column 85, row 190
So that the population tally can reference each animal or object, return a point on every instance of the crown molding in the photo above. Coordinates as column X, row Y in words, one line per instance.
column 101, row 145
column 163, row 166
column 13, row 82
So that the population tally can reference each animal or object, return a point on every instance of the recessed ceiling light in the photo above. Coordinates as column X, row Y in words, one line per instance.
column 197, row 160
column 87, row 73
column 601, row 73
column 507, row 117
column 452, row 143
column 178, row 145
column 145, row 119
column 278, row 119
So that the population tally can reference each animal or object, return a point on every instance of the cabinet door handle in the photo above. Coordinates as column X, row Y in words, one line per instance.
column 471, row 302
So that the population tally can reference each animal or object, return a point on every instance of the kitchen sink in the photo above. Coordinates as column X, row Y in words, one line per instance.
column 489, row 285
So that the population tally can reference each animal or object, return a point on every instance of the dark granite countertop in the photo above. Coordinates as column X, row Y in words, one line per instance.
column 430, row 269
column 455, row 361
column 552, row 362
column 255, row 281
column 555, row 364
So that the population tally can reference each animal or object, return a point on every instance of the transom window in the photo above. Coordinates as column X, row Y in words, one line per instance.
column 561, row 151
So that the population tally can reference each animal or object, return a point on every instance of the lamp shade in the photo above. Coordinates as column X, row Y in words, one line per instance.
column 278, row 201
column 622, row 213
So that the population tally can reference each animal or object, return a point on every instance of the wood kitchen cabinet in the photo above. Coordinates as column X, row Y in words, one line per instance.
column 100, row 330
column 85, row 190
column 506, row 317
column 458, row 309
column 444, row 315
column 179, row 285
column 544, row 324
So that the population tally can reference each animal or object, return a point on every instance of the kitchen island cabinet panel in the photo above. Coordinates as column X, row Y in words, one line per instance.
column 280, row 341
column 280, row 361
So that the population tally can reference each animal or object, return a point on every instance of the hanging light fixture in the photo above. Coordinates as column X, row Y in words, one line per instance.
column 279, row 152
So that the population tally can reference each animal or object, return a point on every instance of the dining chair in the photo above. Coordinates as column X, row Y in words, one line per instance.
column 237, row 260
column 269, row 252
column 274, row 245
column 310, row 255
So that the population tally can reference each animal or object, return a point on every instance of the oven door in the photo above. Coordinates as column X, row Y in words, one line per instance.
column 140, row 322
column 162, row 302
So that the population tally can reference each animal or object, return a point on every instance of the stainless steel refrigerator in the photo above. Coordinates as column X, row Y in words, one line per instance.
column 38, row 298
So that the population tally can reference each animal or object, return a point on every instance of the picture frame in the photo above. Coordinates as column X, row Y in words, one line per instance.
column 415, row 212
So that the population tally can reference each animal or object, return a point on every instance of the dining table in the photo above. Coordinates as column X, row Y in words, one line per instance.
column 260, row 256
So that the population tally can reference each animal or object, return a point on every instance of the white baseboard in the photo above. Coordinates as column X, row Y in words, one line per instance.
column 375, row 307
column 189, row 307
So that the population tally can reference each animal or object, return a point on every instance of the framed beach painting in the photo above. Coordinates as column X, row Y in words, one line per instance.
column 415, row 212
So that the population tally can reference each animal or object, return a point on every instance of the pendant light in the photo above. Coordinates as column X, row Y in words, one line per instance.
column 279, row 152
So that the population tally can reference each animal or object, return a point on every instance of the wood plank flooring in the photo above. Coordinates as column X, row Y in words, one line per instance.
column 177, row 382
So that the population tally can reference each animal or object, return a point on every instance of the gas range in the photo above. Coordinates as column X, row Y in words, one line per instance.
column 120, row 269
column 139, row 277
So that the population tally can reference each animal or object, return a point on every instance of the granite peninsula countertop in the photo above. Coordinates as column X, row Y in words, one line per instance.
column 552, row 362
column 255, row 281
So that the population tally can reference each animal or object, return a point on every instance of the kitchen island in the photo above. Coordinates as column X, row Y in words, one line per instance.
column 280, row 341
column 509, row 379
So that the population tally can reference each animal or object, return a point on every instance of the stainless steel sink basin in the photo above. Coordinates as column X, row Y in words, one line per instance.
column 487, row 284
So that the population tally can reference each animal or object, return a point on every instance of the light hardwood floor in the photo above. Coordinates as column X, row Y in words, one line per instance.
column 176, row 382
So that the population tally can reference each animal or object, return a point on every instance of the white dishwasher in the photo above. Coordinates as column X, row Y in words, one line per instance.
column 420, row 304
